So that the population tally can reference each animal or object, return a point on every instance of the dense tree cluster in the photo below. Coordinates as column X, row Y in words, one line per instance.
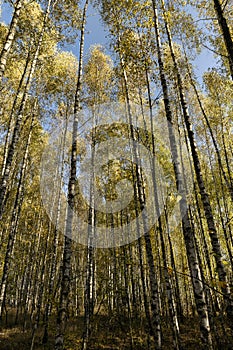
column 147, row 283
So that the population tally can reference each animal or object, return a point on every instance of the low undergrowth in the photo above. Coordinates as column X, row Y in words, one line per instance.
column 107, row 333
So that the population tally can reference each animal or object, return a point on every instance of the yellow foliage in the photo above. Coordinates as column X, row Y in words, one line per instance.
column 169, row 270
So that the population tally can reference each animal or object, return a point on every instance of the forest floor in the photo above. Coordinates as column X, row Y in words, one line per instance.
column 107, row 334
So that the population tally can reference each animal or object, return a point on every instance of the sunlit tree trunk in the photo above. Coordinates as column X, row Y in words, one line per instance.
column 12, row 114
column 10, row 36
column 187, row 228
column 66, row 268
column 89, row 286
column 155, row 309
column 17, row 128
column 228, row 182
column 226, row 33
column 48, row 306
column 14, row 223
column 202, row 188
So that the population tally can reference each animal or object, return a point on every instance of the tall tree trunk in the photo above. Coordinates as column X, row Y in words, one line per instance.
column 226, row 33
column 10, row 36
column 48, row 306
column 187, row 228
column 17, row 128
column 169, row 290
column 215, row 243
column 228, row 182
column 41, row 288
column 138, row 189
column 12, row 113
column 90, row 270
column 144, row 290
column 14, row 223
column 66, row 268
column 177, row 288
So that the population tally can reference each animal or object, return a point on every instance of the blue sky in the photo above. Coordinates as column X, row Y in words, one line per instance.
column 96, row 34
column 95, row 31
